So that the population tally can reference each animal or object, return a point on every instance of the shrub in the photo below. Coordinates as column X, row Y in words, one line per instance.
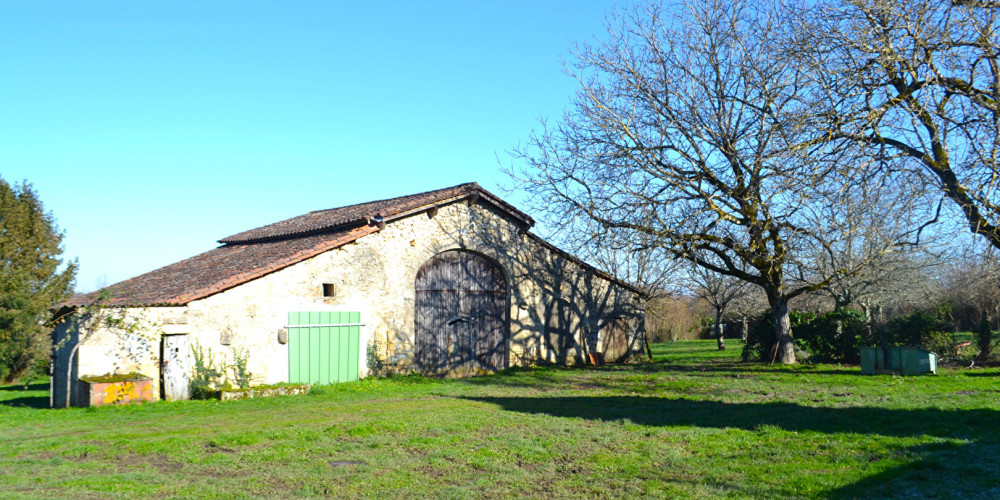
column 939, row 342
column 912, row 329
column 984, row 341
column 835, row 337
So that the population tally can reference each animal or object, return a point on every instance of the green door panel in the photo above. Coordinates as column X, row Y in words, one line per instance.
column 323, row 346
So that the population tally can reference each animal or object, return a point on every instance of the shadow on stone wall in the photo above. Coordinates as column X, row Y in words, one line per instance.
column 557, row 307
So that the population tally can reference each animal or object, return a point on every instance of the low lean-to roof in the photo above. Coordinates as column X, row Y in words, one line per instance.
column 258, row 252
column 216, row 270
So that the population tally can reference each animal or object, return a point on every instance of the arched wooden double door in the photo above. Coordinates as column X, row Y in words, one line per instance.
column 461, row 315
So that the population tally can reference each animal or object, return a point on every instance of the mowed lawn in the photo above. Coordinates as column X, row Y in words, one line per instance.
column 694, row 423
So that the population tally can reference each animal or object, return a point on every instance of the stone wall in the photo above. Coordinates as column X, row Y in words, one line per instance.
column 375, row 275
column 110, row 341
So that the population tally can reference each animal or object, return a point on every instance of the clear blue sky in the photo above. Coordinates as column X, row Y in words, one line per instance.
column 151, row 130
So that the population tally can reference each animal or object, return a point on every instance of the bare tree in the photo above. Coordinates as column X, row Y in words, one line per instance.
column 883, row 253
column 633, row 258
column 972, row 287
column 719, row 291
column 673, row 316
column 917, row 80
column 746, row 305
column 687, row 129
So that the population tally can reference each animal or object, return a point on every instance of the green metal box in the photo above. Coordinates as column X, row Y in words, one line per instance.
column 904, row 360
column 894, row 359
column 870, row 357
column 916, row 361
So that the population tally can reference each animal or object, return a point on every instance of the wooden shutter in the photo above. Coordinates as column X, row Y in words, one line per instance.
column 323, row 347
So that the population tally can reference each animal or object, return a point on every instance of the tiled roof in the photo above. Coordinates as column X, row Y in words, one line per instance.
column 257, row 252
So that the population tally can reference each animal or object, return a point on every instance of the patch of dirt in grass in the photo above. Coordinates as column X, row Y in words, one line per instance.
column 567, row 466
column 48, row 455
column 433, row 472
column 212, row 447
column 163, row 464
column 417, row 452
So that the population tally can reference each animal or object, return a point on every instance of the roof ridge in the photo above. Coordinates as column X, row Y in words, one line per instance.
column 320, row 221
column 473, row 185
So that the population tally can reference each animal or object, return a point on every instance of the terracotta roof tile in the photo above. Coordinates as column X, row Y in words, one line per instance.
column 219, row 269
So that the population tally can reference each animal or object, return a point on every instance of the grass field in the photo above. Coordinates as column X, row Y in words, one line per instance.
column 694, row 423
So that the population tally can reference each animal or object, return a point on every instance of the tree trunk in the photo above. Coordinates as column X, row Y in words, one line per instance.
column 984, row 340
column 869, row 321
column 784, row 348
column 743, row 327
column 718, row 330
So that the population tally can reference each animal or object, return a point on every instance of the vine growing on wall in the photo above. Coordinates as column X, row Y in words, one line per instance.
column 206, row 375
column 211, row 375
column 376, row 365
column 241, row 375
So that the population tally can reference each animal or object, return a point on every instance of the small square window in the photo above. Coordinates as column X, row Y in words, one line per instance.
column 328, row 290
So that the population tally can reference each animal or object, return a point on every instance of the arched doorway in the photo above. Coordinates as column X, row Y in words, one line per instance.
column 461, row 315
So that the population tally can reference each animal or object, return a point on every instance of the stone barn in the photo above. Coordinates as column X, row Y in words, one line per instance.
column 446, row 283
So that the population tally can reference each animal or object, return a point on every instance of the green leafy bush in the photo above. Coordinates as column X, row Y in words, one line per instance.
column 984, row 340
column 914, row 328
column 938, row 342
column 837, row 337
column 209, row 379
column 834, row 337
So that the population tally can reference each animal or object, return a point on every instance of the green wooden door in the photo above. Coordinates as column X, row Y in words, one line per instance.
column 323, row 347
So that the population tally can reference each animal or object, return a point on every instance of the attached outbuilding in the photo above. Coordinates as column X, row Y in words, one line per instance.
column 446, row 283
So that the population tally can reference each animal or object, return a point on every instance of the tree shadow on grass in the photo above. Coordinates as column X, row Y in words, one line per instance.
column 950, row 462
column 27, row 402
column 740, row 367
column 41, row 386
column 9, row 395
column 589, row 376
column 941, row 470
column 661, row 411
